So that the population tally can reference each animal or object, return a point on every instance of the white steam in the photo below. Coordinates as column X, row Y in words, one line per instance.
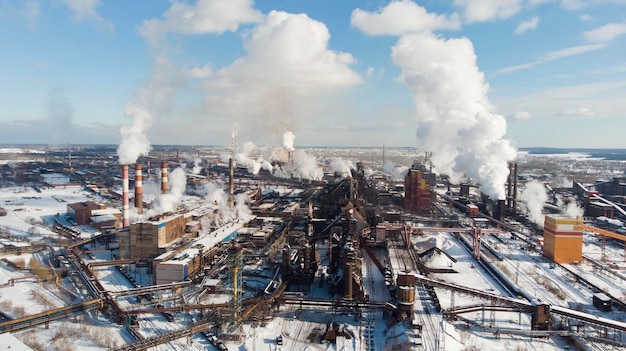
column 288, row 139
column 534, row 197
column 178, row 183
column 454, row 115
column 250, row 157
column 573, row 210
column 396, row 172
column 222, row 214
column 153, row 98
column 276, row 160
column 340, row 166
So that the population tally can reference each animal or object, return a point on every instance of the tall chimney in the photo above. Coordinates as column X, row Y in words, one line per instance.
column 125, row 204
column 515, row 187
column 164, row 185
column 231, row 183
column 148, row 170
column 138, row 188
column 509, row 187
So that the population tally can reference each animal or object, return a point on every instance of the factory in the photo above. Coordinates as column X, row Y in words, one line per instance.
column 354, row 244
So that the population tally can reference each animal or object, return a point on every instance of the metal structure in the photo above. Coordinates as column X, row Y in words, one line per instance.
column 235, row 265
column 231, row 183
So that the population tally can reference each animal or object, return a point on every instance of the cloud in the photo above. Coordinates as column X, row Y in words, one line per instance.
column 553, row 56
column 585, row 17
column 527, row 25
column 287, row 63
column 488, row 10
column 605, row 33
column 372, row 71
column 601, row 100
column 29, row 11
column 578, row 111
column 85, row 11
column 572, row 4
column 453, row 113
column 205, row 16
column 522, row 115
column 200, row 72
column 400, row 17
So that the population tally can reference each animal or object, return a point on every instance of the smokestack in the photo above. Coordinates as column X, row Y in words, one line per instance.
column 515, row 187
column 231, row 183
column 138, row 188
column 509, row 187
column 125, row 204
column 164, row 185
column 148, row 170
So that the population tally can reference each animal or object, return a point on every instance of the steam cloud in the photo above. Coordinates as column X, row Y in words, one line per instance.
column 223, row 214
column 340, row 166
column 396, row 172
column 454, row 115
column 534, row 196
column 277, row 161
column 153, row 98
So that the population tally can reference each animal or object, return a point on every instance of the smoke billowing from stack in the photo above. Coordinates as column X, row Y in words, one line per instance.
column 231, row 184
column 164, row 181
column 455, row 118
column 125, row 204
column 138, row 188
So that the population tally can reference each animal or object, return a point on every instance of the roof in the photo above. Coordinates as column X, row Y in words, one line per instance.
column 103, row 218
column 84, row 205
column 8, row 341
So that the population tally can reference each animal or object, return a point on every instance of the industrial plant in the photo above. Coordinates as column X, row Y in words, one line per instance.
column 201, row 248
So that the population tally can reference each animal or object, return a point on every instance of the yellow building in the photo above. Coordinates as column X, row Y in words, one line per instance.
column 563, row 238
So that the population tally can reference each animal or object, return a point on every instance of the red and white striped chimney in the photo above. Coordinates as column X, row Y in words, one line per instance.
column 164, row 185
column 125, row 204
column 138, row 188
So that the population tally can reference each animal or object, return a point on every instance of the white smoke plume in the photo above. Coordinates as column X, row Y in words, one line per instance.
column 563, row 182
column 153, row 98
column 340, row 166
column 276, row 160
column 454, row 115
column 302, row 165
column 533, row 198
column 288, row 140
column 197, row 165
column 396, row 172
column 222, row 214
column 178, row 184
column 252, row 158
column 573, row 210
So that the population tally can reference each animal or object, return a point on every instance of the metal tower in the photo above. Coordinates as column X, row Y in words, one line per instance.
column 235, row 264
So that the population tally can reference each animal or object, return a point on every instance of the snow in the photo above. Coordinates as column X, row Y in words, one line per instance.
column 8, row 341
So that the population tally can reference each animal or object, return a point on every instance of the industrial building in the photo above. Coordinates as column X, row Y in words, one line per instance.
column 177, row 268
column 563, row 238
column 418, row 184
column 81, row 212
column 151, row 238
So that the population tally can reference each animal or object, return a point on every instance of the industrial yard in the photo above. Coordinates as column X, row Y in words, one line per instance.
column 307, row 249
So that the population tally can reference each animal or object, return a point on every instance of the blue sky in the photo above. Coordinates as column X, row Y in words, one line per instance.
column 430, row 74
